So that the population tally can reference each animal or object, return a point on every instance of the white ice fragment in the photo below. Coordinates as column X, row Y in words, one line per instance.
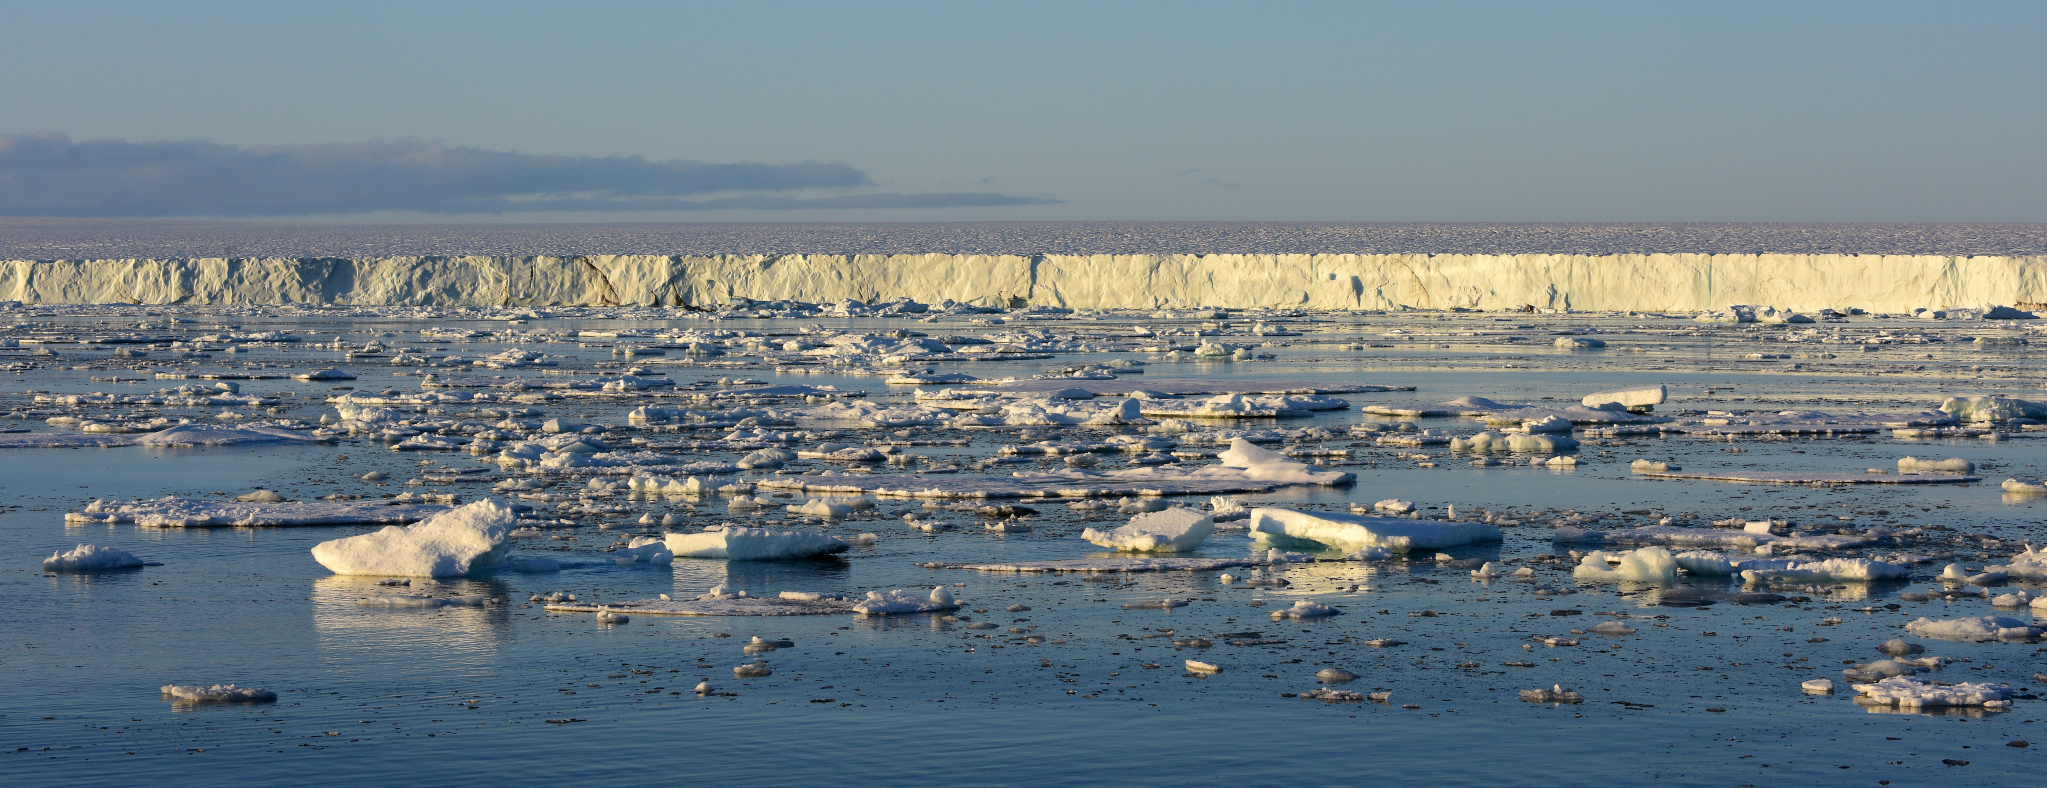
column 1175, row 530
column 1644, row 565
column 753, row 544
column 1351, row 532
column 1914, row 692
column 449, row 544
column 1304, row 609
column 92, row 558
column 1612, row 628
column 1978, row 629
column 1950, row 465
column 1197, row 666
column 1817, row 686
column 1635, row 397
column 261, row 496
column 219, row 693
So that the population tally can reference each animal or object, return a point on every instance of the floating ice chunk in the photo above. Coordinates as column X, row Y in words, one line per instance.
column 261, row 496
column 92, row 558
column 1896, row 647
column 1093, row 565
column 1817, row 686
column 1334, row 676
column 1332, row 695
column 1487, row 571
column 2025, row 488
column 1635, row 397
column 1579, row 343
column 1259, row 464
column 1197, row 666
column 1155, row 604
column 1303, row 610
column 1352, row 532
column 752, row 670
column 753, row 544
column 1914, row 692
column 1394, row 506
column 611, row 617
column 1175, row 530
column 1223, row 508
column 1645, row 565
column 449, row 544
column 1973, row 629
column 1832, row 569
column 219, row 693
column 2029, row 565
column 885, row 603
column 1652, row 466
column 644, row 550
column 1555, row 694
column 1990, row 409
column 1612, row 628
column 1951, row 465
column 820, row 507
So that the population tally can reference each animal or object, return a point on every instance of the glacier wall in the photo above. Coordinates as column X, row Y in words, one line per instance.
column 1649, row 282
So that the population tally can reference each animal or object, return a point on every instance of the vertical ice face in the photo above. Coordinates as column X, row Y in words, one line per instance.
column 1705, row 283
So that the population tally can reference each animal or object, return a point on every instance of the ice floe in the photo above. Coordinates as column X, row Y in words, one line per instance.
column 93, row 558
column 1175, row 530
column 753, row 544
column 450, row 544
column 1352, row 532
column 176, row 512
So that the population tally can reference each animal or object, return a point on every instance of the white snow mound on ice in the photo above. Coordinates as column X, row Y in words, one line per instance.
column 449, row 544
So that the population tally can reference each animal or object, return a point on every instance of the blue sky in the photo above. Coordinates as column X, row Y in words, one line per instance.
column 876, row 111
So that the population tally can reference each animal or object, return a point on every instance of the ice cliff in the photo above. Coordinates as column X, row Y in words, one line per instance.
column 1649, row 282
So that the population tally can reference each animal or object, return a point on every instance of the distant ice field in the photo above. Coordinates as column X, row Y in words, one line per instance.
column 45, row 239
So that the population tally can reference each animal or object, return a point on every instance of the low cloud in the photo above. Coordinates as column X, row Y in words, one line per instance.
column 51, row 175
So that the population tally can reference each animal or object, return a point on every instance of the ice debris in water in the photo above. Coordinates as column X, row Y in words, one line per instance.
column 1896, row 647
column 261, row 496
column 1612, row 628
column 1913, row 692
column 1951, row 465
column 1335, row 675
column 883, row 603
column 1175, row 530
column 1224, row 508
column 1555, row 694
column 1978, row 629
column 93, row 558
column 611, row 617
column 752, row 670
column 1332, row 695
column 1197, row 666
column 424, row 602
column 450, row 544
column 219, row 693
column 1305, row 609
column 1817, row 686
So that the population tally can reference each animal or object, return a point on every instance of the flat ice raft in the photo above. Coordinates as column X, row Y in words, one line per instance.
column 877, row 603
column 173, row 512
column 1677, row 536
column 1243, row 467
column 753, row 544
column 1104, row 565
column 180, row 435
column 1792, row 477
column 1353, row 532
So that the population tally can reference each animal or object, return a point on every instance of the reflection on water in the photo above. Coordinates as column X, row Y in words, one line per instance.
column 469, row 634
column 760, row 578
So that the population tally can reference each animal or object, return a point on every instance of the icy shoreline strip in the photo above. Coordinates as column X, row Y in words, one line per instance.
column 1653, row 282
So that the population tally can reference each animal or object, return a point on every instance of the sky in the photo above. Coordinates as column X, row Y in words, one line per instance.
column 976, row 111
